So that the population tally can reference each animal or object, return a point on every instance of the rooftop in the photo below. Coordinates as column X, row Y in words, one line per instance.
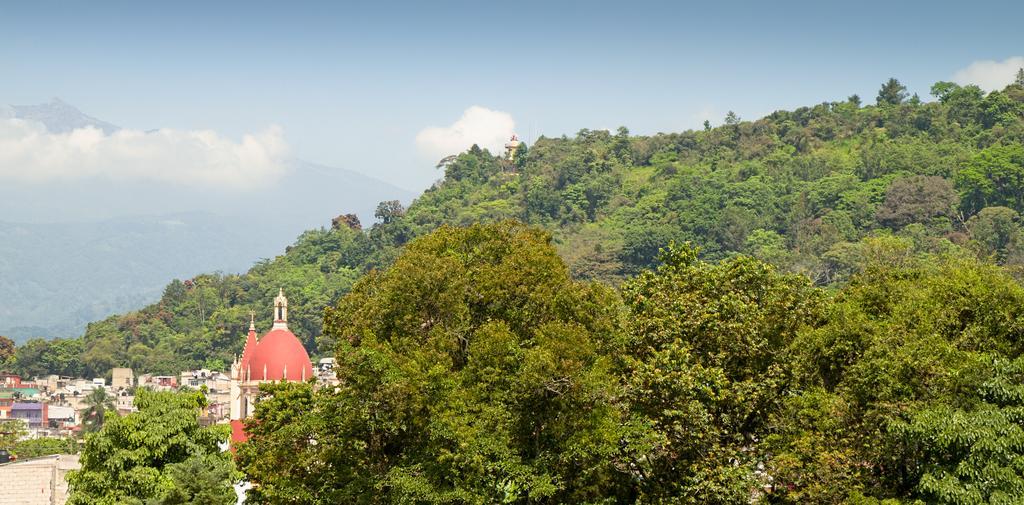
column 27, row 406
column 25, row 392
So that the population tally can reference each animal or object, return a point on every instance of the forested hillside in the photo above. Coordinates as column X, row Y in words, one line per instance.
column 798, row 188
column 820, row 191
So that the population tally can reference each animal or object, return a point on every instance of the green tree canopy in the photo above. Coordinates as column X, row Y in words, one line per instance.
column 159, row 455
column 996, row 232
column 7, row 350
column 911, row 391
column 44, row 446
column 475, row 370
column 917, row 199
column 995, row 177
column 892, row 92
column 40, row 357
column 707, row 367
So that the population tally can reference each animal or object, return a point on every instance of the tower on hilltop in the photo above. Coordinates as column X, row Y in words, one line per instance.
column 511, row 147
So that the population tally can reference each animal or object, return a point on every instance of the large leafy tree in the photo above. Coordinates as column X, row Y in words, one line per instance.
column 706, row 369
column 474, row 370
column 11, row 431
column 995, row 177
column 996, row 233
column 917, row 199
column 7, row 350
column 158, row 455
column 911, row 391
column 892, row 92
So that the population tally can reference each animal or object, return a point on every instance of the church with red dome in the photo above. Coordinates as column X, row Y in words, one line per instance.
column 277, row 355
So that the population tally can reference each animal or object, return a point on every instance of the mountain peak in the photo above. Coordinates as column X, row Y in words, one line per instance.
column 60, row 117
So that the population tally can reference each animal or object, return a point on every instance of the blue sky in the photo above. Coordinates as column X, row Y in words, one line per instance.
column 352, row 85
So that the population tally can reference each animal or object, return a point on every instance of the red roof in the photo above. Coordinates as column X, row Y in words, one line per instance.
column 278, row 355
column 250, row 346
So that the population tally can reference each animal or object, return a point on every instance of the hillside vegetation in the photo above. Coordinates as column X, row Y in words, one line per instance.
column 820, row 191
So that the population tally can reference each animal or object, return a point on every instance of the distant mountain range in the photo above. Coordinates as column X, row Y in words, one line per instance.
column 77, row 251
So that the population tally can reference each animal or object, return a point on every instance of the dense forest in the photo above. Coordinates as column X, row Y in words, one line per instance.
column 816, row 191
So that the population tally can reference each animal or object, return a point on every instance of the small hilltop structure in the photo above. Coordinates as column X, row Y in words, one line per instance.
column 512, row 147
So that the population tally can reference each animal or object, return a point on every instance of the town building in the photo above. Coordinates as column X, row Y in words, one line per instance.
column 124, row 402
column 9, row 380
column 325, row 371
column 6, row 402
column 277, row 355
column 54, row 383
column 34, row 414
column 122, row 378
column 62, row 417
column 217, row 387
column 158, row 382
column 212, row 380
column 37, row 480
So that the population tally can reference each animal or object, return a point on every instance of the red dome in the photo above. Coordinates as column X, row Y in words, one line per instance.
column 281, row 355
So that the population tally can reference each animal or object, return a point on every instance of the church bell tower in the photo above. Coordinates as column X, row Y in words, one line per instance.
column 280, row 311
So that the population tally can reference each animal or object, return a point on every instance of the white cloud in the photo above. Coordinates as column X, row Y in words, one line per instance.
column 988, row 74
column 201, row 158
column 487, row 128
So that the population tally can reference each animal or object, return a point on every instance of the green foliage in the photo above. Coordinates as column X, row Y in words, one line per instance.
column 44, row 446
column 996, row 233
column 39, row 357
column 202, row 479
column 995, row 177
column 7, row 350
column 892, row 93
column 910, row 391
column 11, row 431
column 158, row 455
column 475, row 371
column 705, row 369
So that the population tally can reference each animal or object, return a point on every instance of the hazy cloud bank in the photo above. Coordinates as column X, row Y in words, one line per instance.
column 487, row 128
column 199, row 158
column 989, row 74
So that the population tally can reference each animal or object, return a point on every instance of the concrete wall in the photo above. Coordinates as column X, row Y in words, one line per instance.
column 37, row 481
